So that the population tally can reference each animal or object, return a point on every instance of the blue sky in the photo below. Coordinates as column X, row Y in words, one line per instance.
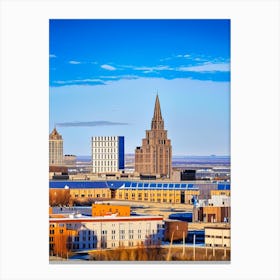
column 105, row 74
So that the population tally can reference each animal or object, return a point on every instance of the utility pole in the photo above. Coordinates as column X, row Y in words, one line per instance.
column 194, row 247
column 183, row 243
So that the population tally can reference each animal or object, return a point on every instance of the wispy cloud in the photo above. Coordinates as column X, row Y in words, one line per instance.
column 74, row 62
column 104, row 80
column 120, row 77
column 89, row 123
column 206, row 67
column 183, row 56
column 108, row 67
column 153, row 68
column 52, row 56
column 67, row 82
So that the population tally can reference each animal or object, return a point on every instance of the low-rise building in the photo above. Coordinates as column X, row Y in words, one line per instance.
column 220, row 192
column 175, row 230
column 105, row 209
column 87, row 233
column 157, row 192
column 213, row 214
column 70, row 161
column 217, row 236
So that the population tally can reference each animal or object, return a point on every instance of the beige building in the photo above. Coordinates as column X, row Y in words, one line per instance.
column 55, row 148
column 217, row 236
column 85, row 233
column 154, row 156
column 70, row 161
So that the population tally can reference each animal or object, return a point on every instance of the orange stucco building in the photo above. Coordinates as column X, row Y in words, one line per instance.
column 105, row 209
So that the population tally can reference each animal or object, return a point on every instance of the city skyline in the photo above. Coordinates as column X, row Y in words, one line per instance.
column 105, row 74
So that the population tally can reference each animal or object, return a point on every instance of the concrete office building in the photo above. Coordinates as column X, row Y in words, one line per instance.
column 107, row 154
column 55, row 148
column 155, row 154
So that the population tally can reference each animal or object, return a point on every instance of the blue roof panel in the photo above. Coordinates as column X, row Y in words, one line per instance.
column 77, row 184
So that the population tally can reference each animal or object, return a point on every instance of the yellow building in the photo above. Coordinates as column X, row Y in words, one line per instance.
column 220, row 192
column 160, row 196
column 146, row 191
column 105, row 209
column 81, row 193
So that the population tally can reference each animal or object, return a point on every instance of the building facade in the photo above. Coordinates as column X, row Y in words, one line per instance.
column 217, row 236
column 105, row 209
column 161, row 192
column 159, row 195
column 107, row 154
column 70, row 161
column 55, row 148
column 155, row 154
column 85, row 233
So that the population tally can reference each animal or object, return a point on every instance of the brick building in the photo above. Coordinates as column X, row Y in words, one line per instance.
column 154, row 156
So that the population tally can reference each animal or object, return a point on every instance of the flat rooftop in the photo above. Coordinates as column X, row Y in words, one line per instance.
column 81, row 218
column 137, row 185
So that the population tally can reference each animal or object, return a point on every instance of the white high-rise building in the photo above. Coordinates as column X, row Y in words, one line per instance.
column 107, row 154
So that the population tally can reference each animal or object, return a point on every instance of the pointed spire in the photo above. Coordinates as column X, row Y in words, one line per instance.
column 157, row 111
column 157, row 121
column 54, row 135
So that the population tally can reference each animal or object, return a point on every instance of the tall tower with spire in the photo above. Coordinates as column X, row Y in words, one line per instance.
column 154, row 156
column 55, row 148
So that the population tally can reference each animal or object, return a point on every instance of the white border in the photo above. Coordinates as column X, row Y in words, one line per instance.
column 254, row 131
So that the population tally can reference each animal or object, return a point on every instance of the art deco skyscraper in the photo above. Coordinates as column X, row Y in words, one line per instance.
column 55, row 148
column 154, row 156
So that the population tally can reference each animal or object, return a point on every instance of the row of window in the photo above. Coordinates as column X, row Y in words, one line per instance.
column 217, row 236
column 90, row 195
column 216, row 245
column 104, row 156
column 104, row 169
column 104, row 143
column 106, row 138
column 104, row 163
